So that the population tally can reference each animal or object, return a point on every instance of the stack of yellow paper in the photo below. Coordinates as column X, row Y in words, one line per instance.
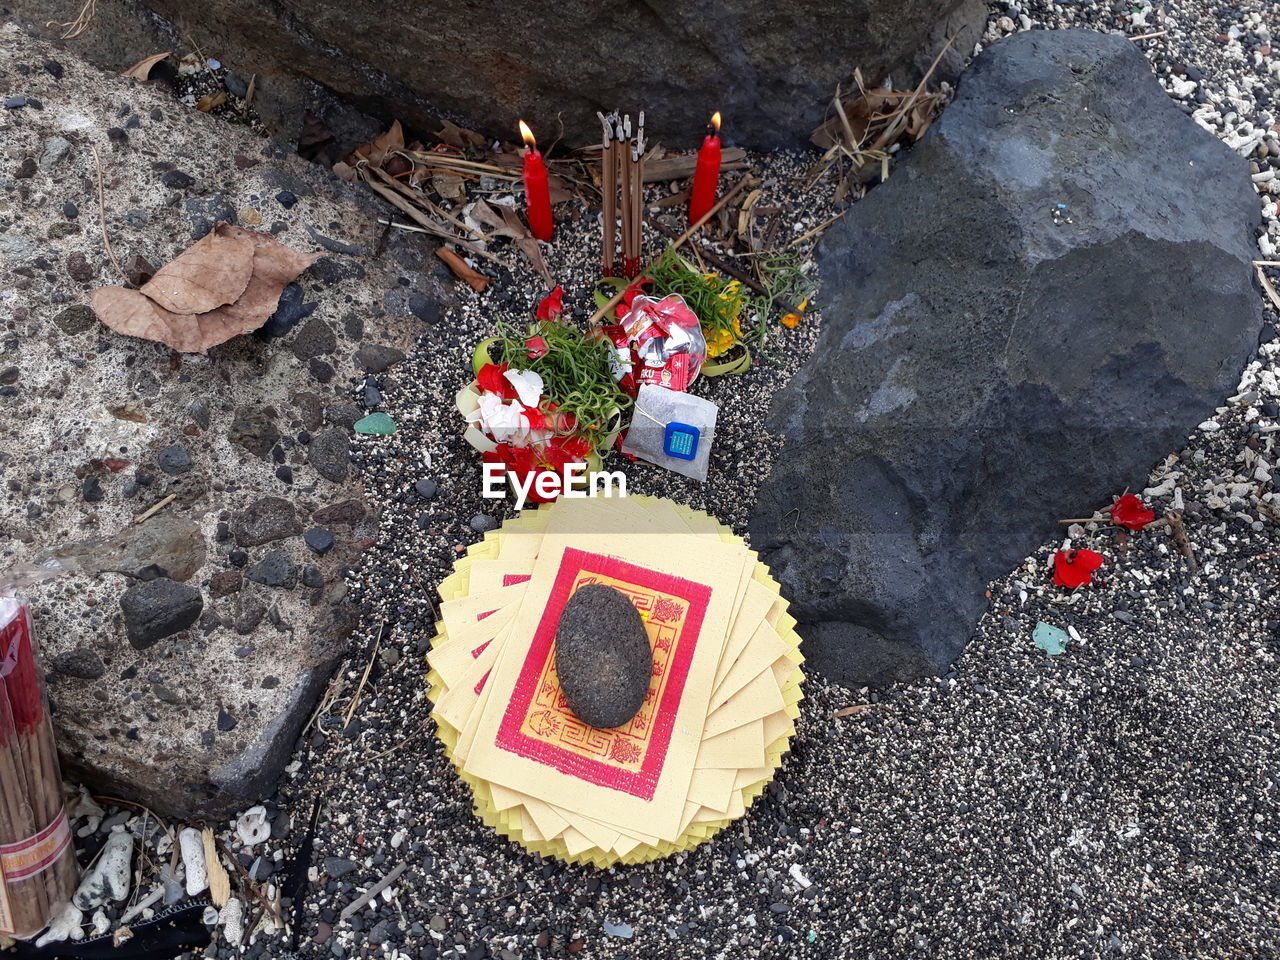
column 717, row 718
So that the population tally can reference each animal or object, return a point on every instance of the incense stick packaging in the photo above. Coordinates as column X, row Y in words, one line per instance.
column 38, row 870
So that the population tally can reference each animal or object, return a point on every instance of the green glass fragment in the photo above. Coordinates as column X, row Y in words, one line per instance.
column 1050, row 639
column 376, row 423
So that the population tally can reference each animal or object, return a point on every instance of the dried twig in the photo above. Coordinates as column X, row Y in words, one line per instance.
column 463, row 270
column 102, row 211
column 81, row 23
column 355, row 699
column 251, row 887
column 682, row 166
column 373, row 891
column 147, row 514
column 816, row 231
column 1179, row 531
column 1150, row 36
column 725, row 267
column 1267, row 285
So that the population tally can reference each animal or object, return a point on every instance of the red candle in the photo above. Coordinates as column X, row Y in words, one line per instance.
column 537, row 192
column 706, row 177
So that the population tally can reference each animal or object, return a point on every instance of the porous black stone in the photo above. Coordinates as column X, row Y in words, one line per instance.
column 275, row 569
column 174, row 459
column 603, row 658
column 157, row 609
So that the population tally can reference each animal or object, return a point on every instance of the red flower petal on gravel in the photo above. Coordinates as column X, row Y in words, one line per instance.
column 1074, row 568
column 1130, row 512
column 491, row 379
column 552, row 305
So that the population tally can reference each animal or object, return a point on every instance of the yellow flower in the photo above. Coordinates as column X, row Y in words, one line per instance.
column 791, row 319
column 720, row 341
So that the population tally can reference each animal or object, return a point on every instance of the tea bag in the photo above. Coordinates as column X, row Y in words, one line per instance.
column 672, row 429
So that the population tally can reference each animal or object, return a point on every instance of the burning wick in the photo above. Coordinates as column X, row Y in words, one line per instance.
column 537, row 191
column 706, row 176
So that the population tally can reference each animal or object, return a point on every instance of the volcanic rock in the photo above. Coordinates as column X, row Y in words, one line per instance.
column 1035, row 309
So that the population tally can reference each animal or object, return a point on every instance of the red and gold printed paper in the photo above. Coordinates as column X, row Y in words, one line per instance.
column 724, row 688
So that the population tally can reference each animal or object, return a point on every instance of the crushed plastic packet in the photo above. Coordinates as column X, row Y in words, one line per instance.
column 658, row 342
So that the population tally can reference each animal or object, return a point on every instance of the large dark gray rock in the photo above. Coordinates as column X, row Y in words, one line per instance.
column 603, row 657
column 1046, row 298
column 771, row 68
column 157, row 609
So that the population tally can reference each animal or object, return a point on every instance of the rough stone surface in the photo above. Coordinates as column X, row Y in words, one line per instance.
column 157, row 609
column 991, row 362
column 330, row 454
column 90, row 402
column 275, row 569
column 81, row 663
column 550, row 63
column 265, row 520
column 603, row 657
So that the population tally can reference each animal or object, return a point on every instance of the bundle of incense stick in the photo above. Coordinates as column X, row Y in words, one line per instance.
column 622, row 184
column 38, row 870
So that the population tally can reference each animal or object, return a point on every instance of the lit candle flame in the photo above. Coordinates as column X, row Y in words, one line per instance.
column 525, row 132
column 715, row 120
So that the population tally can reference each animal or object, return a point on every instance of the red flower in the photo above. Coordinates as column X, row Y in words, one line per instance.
column 1074, row 568
column 537, row 419
column 527, row 462
column 552, row 305
column 1129, row 512
column 634, row 290
column 536, row 347
column 491, row 380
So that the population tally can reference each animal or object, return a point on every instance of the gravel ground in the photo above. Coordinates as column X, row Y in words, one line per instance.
column 1117, row 799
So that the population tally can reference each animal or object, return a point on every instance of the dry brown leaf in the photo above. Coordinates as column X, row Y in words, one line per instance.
column 456, row 136
column 211, row 100
column 502, row 227
column 211, row 272
column 850, row 711
column 346, row 171
column 507, row 223
column 273, row 265
column 463, row 270
column 450, row 186
column 142, row 69
column 219, row 883
column 376, row 151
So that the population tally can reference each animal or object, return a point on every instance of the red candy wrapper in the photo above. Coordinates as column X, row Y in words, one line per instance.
column 658, row 342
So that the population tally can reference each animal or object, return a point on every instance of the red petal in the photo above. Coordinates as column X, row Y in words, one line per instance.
column 635, row 289
column 552, row 305
column 536, row 347
column 1130, row 512
column 491, row 379
column 1074, row 568
column 537, row 419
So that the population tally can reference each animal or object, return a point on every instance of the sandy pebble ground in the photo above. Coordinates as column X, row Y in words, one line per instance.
column 1117, row 800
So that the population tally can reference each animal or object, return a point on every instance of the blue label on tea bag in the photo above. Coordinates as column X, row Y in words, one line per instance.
column 681, row 441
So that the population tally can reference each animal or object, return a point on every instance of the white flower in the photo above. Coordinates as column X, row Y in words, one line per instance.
column 528, row 386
